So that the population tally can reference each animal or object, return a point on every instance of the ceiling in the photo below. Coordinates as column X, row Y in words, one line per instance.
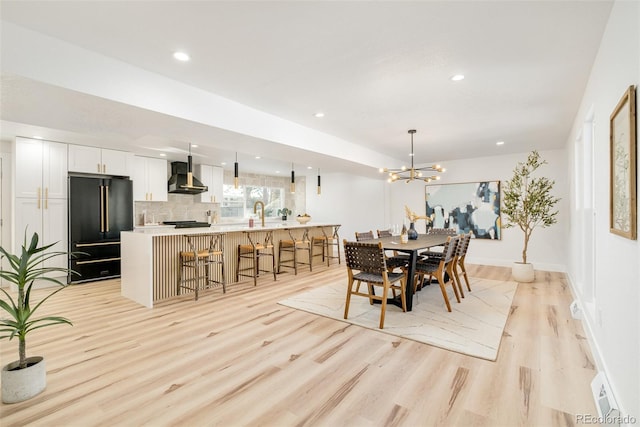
column 376, row 69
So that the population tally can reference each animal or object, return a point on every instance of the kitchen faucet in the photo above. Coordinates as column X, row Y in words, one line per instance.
column 255, row 208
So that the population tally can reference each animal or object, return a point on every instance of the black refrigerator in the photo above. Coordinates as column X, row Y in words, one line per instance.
column 99, row 209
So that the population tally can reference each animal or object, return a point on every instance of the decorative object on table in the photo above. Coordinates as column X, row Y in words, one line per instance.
column 26, row 377
column 284, row 212
column 412, row 233
column 409, row 174
column 404, row 237
column 466, row 207
column 303, row 219
column 622, row 202
column 528, row 203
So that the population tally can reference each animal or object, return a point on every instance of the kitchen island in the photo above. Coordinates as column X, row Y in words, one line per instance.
column 150, row 256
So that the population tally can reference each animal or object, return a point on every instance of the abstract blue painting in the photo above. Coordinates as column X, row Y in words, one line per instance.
column 464, row 207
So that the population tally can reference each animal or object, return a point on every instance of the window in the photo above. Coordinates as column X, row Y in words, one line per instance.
column 239, row 202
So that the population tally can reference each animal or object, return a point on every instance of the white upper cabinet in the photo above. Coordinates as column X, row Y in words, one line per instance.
column 149, row 179
column 100, row 161
column 211, row 176
column 41, row 194
column 41, row 169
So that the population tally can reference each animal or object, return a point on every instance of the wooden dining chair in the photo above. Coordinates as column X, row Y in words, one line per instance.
column 461, row 254
column 396, row 260
column 366, row 264
column 436, row 250
column 365, row 235
column 439, row 267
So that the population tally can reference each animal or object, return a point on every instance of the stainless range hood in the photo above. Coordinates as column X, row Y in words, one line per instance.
column 182, row 180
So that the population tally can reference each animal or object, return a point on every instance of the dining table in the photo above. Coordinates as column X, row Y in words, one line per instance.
column 412, row 248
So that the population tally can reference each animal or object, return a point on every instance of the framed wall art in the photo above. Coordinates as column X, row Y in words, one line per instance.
column 464, row 207
column 622, row 180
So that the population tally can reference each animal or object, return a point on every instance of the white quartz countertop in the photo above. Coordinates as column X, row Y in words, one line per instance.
column 221, row 228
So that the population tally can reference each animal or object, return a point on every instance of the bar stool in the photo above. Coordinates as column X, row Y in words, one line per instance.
column 202, row 259
column 333, row 240
column 320, row 242
column 294, row 245
column 253, row 252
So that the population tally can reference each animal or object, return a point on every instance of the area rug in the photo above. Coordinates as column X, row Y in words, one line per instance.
column 474, row 327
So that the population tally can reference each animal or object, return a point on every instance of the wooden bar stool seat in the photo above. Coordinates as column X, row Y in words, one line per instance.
column 293, row 246
column 252, row 252
column 321, row 243
column 200, row 261
column 333, row 240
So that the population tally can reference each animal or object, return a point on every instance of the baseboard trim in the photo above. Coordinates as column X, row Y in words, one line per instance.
column 508, row 263
column 588, row 326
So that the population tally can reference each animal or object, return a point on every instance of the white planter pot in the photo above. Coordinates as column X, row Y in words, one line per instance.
column 23, row 384
column 522, row 272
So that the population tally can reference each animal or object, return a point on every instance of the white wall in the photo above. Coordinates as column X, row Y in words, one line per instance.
column 611, row 317
column 357, row 203
column 547, row 248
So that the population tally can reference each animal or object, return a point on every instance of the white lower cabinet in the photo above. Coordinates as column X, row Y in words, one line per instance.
column 48, row 218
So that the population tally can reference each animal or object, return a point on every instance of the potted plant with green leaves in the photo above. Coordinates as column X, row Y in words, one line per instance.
column 527, row 204
column 284, row 212
column 26, row 377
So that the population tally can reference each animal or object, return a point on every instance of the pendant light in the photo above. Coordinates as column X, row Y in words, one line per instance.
column 235, row 172
column 292, row 186
column 409, row 174
column 319, row 186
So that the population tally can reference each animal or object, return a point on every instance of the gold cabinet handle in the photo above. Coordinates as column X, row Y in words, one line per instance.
column 104, row 168
column 98, row 167
column 46, row 198
column 97, row 260
column 86, row 245
column 39, row 191
column 107, row 200
column 151, row 196
column 101, row 208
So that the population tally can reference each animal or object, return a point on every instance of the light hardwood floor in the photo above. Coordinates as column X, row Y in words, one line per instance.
column 241, row 359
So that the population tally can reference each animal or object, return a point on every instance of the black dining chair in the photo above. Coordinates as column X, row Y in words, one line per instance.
column 396, row 260
column 366, row 263
column 438, row 268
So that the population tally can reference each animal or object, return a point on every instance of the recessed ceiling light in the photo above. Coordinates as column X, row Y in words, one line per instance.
column 309, row 167
column 457, row 77
column 181, row 56
column 37, row 137
column 223, row 163
column 163, row 154
column 277, row 171
column 319, row 114
column 500, row 143
column 194, row 145
column 258, row 157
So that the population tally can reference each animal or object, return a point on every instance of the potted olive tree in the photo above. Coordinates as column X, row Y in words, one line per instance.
column 26, row 377
column 527, row 204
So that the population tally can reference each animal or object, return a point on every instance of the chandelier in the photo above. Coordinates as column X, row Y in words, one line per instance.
column 409, row 174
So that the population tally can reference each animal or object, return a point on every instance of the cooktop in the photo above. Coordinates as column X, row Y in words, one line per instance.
column 187, row 224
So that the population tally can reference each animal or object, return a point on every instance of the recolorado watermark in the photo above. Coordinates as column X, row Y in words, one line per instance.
column 592, row 419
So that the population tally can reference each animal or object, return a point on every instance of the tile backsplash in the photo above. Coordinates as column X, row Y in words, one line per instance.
column 178, row 207
column 189, row 207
